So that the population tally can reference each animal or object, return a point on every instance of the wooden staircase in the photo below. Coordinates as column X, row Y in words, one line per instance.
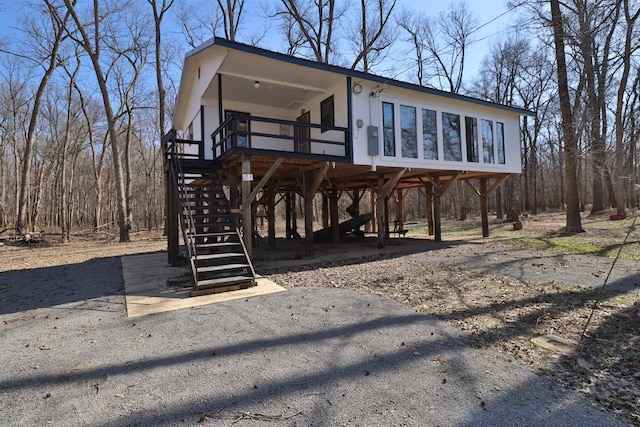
column 217, row 255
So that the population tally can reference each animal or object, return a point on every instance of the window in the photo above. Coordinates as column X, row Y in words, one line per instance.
column 327, row 113
column 190, row 132
column 388, row 129
column 471, row 132
column 500, row 140
column 451, row 142
column 487, row 141
column 240, row 129
column 408, row 132
column 429, row 135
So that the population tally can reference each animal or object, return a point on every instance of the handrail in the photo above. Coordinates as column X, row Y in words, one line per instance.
column 189, row 241
column 231, row 121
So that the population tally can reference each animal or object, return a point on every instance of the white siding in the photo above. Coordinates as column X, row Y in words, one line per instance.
column 369, row 109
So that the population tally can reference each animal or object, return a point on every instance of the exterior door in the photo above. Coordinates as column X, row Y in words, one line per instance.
column 303, row 145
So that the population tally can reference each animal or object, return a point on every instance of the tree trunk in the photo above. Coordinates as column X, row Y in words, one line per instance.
column 573, row 220
column 121, row 203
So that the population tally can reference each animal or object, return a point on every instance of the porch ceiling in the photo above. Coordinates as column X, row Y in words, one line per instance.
column 281, row 84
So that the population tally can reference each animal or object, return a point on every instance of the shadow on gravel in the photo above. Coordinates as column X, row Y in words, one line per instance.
column 288, row 255
column 22, row 290
column 584, row 270
column 525, row 404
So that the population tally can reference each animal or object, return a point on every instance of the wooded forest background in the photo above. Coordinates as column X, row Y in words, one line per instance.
column 87, row 91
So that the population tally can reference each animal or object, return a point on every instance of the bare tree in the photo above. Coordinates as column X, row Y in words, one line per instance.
column 629, row 45
column 374, row 36
column 46, row 49
column 93, row 50
column 231, row 11
column 158, row 17
column 573, row 222
column 440, row 45
column 310, row 24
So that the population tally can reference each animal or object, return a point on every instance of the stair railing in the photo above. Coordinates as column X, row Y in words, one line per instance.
column 244, row 248
column 187, row 222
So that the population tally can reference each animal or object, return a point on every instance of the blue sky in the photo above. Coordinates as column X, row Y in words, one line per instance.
column 493, row 17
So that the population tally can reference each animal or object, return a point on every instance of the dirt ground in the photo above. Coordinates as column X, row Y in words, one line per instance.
column 497, row 311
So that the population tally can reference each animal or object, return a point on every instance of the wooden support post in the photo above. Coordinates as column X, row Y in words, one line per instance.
column 437, row 227
column 373, row 210
column 325, row 210
column 356, row 202
column 173, row 245
column 335, row 220
column 483, row 207
column 232, row 180
column 386, row 218
column 438, row 192
column 312, row 180
column 294, row 215
column 246, row 206
column 400, row 210
column 287, row 205
column 308, row 213
column 380, row 199
column 429, row 195
column 270, row 192
column 384, row 189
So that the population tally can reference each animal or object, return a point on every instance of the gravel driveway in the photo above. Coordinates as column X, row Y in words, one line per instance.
column 307, row 356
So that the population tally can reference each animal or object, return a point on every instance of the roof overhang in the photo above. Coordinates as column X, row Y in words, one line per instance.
column 284, row 81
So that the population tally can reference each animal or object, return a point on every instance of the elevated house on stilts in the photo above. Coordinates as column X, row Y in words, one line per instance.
column 249, row 122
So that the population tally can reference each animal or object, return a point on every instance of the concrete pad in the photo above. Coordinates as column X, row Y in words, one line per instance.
column 147, row 291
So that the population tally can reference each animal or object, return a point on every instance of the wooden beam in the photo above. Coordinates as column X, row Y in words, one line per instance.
column 274, row 167
column 445, row 187
column 475, row 190
column 318, row 176
column 496, row 184
column 390, row 185
column 313, row 166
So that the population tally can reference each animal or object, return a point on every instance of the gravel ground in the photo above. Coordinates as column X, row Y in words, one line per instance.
column 323, row 356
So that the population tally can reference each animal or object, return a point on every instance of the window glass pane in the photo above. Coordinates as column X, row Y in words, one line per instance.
column 408, row 132
column 451, row 137
column 500, row 140
column 471, row 129
column 327, row 115
column 429, row 135
column 487, row 141
column 388, row 129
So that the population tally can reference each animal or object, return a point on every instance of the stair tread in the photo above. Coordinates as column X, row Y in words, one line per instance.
column 216, row 245
column 212, row 268
column 220, row 200
column 211, row 215
column 220, row 255
column 214, row 224
column 224, row 280
column 216, row 233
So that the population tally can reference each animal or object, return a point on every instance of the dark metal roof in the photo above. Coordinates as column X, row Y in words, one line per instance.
column 216, row 41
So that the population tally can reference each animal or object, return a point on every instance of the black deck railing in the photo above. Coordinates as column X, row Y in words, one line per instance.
column 177, row 148
column 235, row 132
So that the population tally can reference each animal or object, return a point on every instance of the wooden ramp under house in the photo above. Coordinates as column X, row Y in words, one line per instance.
column 217, row 255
